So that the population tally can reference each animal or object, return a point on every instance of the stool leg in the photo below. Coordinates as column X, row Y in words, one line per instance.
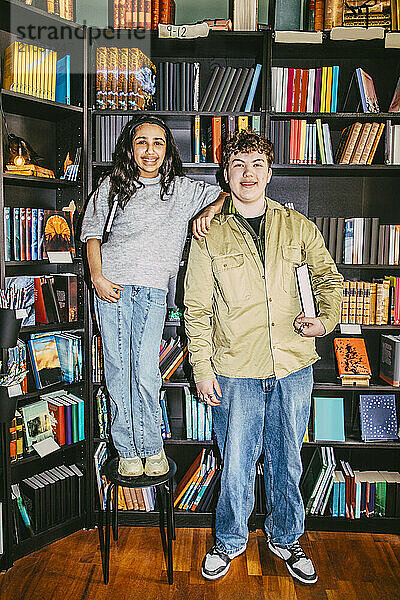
column 115, row 514
column 170, row 569
column 106, row 563
column 171, row 507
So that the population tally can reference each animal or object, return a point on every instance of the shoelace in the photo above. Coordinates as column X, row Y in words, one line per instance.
column 297, row 551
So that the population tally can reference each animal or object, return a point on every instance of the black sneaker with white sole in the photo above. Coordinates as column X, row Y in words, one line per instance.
column 216, row 562
column 297, row 562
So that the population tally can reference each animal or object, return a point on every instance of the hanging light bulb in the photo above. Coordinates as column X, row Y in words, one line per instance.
column 19, row 160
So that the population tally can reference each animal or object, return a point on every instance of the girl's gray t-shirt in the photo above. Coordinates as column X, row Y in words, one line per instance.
column 147, row 237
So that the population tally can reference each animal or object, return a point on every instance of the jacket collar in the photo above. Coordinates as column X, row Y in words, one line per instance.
column 229, row 209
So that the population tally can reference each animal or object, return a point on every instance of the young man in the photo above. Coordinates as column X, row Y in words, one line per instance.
column 252, row 349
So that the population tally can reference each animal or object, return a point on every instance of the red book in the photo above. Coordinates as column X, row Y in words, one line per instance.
column 216, row 136
column 57, row 418
column 22, row 233
column 165, row 11
column 304, row 90
column 40, row 310
column 296, row 90
column 292, row 142
column 155, row 13
column 289, row 97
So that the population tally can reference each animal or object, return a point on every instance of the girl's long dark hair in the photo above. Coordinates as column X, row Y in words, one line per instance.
column 124, row 174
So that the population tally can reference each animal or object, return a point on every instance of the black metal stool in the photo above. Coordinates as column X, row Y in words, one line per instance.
column 163, row 486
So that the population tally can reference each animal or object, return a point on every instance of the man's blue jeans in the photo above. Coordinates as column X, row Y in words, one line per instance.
column 255, row 416
column 131, row 331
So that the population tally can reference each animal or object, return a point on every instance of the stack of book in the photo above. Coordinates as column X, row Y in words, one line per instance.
column 392, row 144
column 32, row 70
column 172, row 355
column 304, row 90
column 231, row 89
column 299, row 142
column 53, row 496
column 125, row 79
column 198, row 418
column 196, row 490
column 136, row 498
column 97, row 359
column 212, row 133
column 358, row 143
column 67, row 414
column 371, row 303
column 55, row 358
column 142, row 14
column 32, row 232
column 108, row 129
column 360, row 240
column 178, row 86
column 29, row 170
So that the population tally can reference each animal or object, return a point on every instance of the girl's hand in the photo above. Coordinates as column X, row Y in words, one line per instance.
column 106, row 290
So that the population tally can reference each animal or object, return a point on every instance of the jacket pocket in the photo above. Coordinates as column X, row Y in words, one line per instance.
column 232, row 278
column 291, row 258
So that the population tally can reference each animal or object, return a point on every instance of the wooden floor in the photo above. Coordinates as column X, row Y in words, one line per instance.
column 350, row 566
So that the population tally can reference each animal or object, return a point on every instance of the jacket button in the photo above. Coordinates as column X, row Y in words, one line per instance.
column 270, row 299
column 272, row 324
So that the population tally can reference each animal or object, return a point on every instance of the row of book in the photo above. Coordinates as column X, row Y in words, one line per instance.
column 55, row 358
column 346, row 492
column 358, row 143
column 198, row 418
column 136, row 498
column 47, row 298
column 304, row 90
column 360, row 240
column 377, row 413
column 328, row 14
column 196, row 490
column 125, row 79
column 231, row 89
column 371, row 303
column 172, row 355
column 30, row 233
column 32, row 70
column 97, row 359
column 142, row 14
column 178, row 85
column 61, row 8
column 47, row 499
column 212, row 133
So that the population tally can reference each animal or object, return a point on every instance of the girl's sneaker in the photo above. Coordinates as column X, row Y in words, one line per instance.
column 156, row 465
column 130, row 467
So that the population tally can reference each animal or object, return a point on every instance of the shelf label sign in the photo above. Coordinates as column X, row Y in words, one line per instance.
column 183, row 32
column 350, row 328
column 59, row 257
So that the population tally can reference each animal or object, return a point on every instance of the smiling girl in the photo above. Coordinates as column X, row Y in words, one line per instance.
column 147, row 202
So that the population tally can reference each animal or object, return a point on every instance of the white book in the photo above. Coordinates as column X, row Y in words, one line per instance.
column 305, row 290
column 360, row 243
column 310, row 91
column 396, row 145
column 274, row 88
column 284, row 88
column 245, row 15
column 327, row 143
column 196, row 90
column 314, row 142
column 392, row 234
column 279, row 92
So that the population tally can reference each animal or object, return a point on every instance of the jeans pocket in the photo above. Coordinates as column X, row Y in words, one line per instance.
column 158, row 297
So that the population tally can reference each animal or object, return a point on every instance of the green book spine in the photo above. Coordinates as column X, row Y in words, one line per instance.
column 380, row 498
column 75, row 423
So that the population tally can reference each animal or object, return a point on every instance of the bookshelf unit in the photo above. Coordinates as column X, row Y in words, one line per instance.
column 52, row 129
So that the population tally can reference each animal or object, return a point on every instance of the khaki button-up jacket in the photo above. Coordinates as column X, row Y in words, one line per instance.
column 239, row 312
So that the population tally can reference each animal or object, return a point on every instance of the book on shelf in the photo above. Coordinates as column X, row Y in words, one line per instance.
column 328, row 419
column 58, row 232
column 392, row 144
column 389, row 365
column 55, row 357
column 288, row 16
column 178, row 85
column 63, row 80
column 102, row 411
column 378, row 417
column 395, row 103
column 196, row 482
column 304, row 90
column 245, row 15
column 16, row 437
column 125, row 79
column 97, row 359
column 100, row 457
column 143, row 14
column 358, row 143
column 367, row 91
column 37, row 423
column 378, row 15
column 198, row 418
column 29, row 170
column 352, row 360
column 165, row 425
column 231, row 89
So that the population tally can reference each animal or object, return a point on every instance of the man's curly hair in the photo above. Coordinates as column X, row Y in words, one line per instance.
column 248, row 141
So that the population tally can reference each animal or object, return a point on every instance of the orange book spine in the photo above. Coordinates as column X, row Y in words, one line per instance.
column 297, row 88
column 141, row 21
column 304, row 89
column 216, row 136
column 147, row 14
column 165, row 11
column 155, row 13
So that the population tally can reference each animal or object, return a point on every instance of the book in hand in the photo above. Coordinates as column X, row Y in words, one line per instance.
column 352, row 360
column 305, row 291
column 378, row 417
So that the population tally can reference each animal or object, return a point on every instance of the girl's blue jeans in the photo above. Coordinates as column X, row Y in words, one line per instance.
column 131, row 331
column 255, row 416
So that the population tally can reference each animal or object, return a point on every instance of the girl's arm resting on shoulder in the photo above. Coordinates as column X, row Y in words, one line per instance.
column 201, row 224
column 105, row 289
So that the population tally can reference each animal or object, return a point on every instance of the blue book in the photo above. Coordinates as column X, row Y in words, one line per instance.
column 253, row 87
column 208, row 425
column 329, row 419
column 378, row 417
column 194, row 418
column 81, row 416
column 348, row 237
column 188, row 413
column 335, row 85
column 66, row 357
column 200, row 420
column 34, row 239
column 335, row 496
column 342, row 495
column 63, row 80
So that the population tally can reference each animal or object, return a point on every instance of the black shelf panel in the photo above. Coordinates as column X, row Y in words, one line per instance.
column 45, row 182
column 373, row 327
column 151, row 519
column 375, row 525
column 338, row 115
column 39, row 108
column 43, row 327
column 47, row 537
column 44, row 261
column 35, row 457
column 363, row 267
column 174, row 113
column 175, row 442
column 338, row 169
column 390, row 445
column 50, row 388
column 373, row 388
